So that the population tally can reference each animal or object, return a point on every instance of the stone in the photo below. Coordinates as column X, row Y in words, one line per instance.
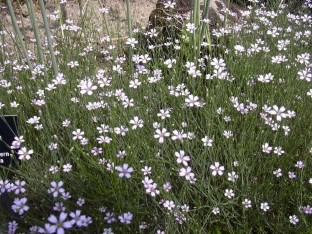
column 162, row 18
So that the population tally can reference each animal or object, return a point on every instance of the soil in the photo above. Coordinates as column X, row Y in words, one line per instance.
column 140, row 11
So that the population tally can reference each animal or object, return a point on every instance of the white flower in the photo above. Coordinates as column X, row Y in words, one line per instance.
column 278, row 150
column 239, row 48
column 169, row 4
column 247, row 203
column 156, row 125
column 167, row 186
column 33, row 120
column 192, row 100
column 229, row 193
column 190, row 27
column 14, row 104
column 293, row 219
column 151, row 189
column 217, row 169
column 146, row 170
column 67, row 167
column 266, row 79
column 227, row 134
column 300, row 164
column 73, row 64
column 187, row 173
column 265, row 206
column 232, row 176
column 164, row 114
column 53, row 146
column 216, row 210
column 66, row 123
column 103, row 10
column 134, row 83
column 182, row 158
column 121, row 130
column 170, row 62
column 207, row 141
column 266, row 148
column 178, row 135
column 161, row 134
column 87, row 87
column 24, row 154
column 102, row 139
column 54, row 169
column 147, row 182
column 217, row 63
column 78, row 134
column 279, row 112
column 153, row 32
column 132, row 42
column 169, row 205
column 278, row 172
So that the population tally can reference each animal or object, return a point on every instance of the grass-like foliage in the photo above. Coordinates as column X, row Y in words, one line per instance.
column 165, row 137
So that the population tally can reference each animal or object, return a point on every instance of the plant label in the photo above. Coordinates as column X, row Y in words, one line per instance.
column 8, row 130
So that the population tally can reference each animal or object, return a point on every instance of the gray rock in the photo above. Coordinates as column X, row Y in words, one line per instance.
column 161, row 18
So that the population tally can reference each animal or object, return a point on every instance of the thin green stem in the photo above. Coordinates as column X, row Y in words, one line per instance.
column 2, row 43
column 48, row 35
column 21, row 17
column 61, row 14
column 105, row 19
column 205, row 32
column 129, row 19
column 130, row 36
column 19, row 35
column 32, row 15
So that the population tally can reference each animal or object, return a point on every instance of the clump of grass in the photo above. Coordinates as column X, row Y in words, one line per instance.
column 164, row 143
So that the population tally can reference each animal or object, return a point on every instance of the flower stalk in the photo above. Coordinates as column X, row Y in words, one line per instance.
column 18, row 34
column 48, row 35
column 32, row 15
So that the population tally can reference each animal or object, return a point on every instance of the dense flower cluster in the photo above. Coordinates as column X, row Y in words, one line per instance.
column 152, row 141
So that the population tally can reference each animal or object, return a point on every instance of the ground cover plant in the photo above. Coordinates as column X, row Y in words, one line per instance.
column 179, row 136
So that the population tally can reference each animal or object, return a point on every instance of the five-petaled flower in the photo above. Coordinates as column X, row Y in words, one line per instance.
column 59, row 223
column 279, row 112
column 187, row 173
column 293, row 219
column 229, row 193
column 169, row 4
column 247, row 203
column 19, row 205
column 265, row 206
column 160, row 134
column 56, row 188
column 24, row 153
column 169, row 205
column 132, row 42
column 125, row 170
column 217, row 169
column 125, row 218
